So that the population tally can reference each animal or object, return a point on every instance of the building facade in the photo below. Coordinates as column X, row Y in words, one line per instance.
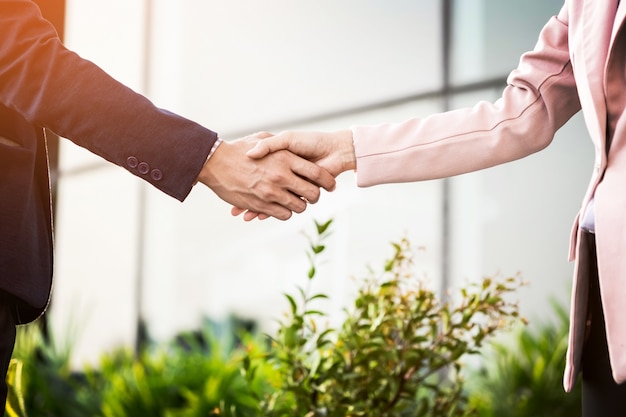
column 125, row 252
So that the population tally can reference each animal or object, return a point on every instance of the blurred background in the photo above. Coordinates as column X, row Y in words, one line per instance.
column 132, row 262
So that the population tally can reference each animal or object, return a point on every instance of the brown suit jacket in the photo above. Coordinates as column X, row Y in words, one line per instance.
column 44, row 85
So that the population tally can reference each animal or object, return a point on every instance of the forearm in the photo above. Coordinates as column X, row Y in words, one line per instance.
column 540, row 97
column 53, row 87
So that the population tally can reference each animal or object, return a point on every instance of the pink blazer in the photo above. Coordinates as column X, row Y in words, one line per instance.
column 569, row 69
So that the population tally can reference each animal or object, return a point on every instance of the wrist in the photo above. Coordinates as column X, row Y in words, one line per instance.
column 216, row 144
column 345, row 142
column 204, row 176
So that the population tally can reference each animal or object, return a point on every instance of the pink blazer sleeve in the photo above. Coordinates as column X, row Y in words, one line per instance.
column 540, row 97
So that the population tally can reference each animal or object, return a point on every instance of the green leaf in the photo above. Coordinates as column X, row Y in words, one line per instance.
column 322, row 227
column 321, row 339
column 318, row 249
column 292, row 302
column 314, row 313
column 316, row 296
column 290, row 337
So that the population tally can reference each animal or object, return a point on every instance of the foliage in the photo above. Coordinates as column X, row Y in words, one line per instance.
column 15, row 397
column 397, row 353
column 43, row 383
column 180, row 381
column 524, row 378
column 195, row 375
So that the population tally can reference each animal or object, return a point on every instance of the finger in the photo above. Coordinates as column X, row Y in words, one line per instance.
column 267, row 146
column 314, row 174
column 277, row 205
column 250, row 215
column 296, row 204
column 262, row 135
column 236, row 211
column 288, row 196
column 284, row 212
column 305, row 191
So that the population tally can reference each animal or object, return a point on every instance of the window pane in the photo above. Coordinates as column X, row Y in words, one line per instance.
column 257, row 64
column 488, row 36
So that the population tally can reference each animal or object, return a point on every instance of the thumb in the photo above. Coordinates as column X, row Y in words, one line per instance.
column 262, row 135
column 259, row 151
column 267, row 146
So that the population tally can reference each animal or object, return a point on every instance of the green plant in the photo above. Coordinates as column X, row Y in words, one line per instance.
column 196, row 374
column 523, row 377
column 15, row 399
column 42, row 382
column 397, row 353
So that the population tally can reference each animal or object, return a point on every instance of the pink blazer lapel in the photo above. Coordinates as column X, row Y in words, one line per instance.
column 619, row 21
column 594, row 30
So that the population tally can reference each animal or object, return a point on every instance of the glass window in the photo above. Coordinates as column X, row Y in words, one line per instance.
column 249, row 65
column 488, row 36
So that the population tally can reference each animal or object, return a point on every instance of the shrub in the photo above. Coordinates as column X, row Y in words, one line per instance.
column 193, row 379
column 194, row 375
column 523, row 377
column 42, row 382
column 398, row 352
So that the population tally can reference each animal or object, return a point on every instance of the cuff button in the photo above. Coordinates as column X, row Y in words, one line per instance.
column 132, row 162
column 156, row 174
column 143, row 168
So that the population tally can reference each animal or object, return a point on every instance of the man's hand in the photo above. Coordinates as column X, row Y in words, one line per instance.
column 274, row 186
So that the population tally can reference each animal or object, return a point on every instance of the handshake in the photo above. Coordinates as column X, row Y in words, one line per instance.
column 265, row 175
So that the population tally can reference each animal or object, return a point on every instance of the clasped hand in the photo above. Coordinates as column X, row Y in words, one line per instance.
column 295, row 166
column 275, row 184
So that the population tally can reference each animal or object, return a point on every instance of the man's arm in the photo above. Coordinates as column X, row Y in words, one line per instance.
column 53, row 87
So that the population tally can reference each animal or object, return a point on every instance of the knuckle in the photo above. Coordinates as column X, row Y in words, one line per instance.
column 270, row 194
column 314, row 171
column 310, row 193
column 299, row 208
column 284, row 215
column 315, row 196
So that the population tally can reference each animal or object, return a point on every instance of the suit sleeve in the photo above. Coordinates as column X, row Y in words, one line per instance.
column 55, row 88
column 539, row 98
